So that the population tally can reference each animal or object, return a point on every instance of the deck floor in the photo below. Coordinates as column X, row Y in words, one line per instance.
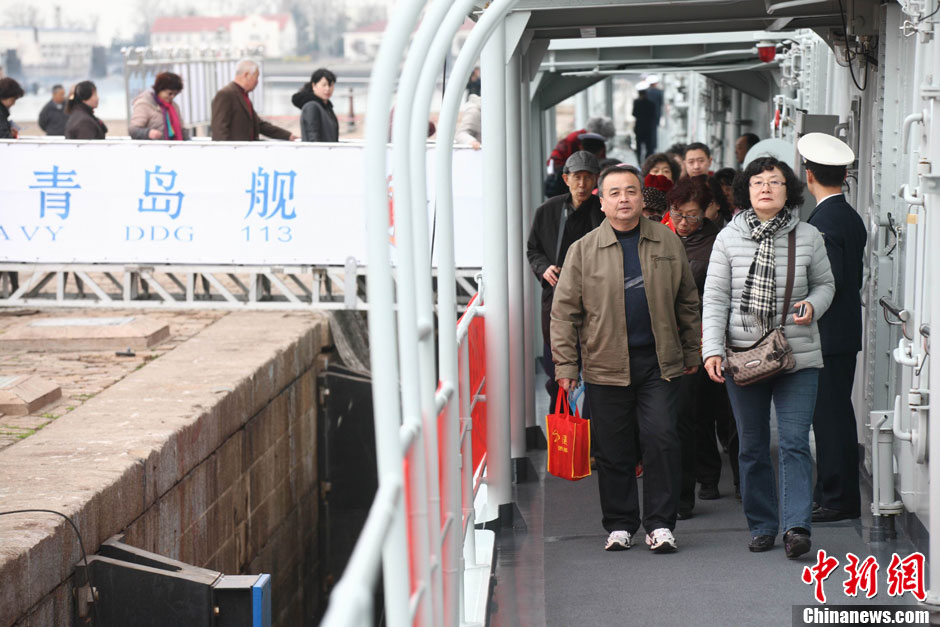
column 556, row 573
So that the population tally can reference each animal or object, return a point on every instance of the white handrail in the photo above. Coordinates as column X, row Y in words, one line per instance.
column 383, row 344
column 351, row 599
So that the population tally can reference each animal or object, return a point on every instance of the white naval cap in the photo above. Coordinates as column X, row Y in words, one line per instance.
column 825, row 149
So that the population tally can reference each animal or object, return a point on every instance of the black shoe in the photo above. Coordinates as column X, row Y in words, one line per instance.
column 684, row 514
column 796, row 542
column 824, row 515
column 737, row 492
column 709, row 492
column 759, row 544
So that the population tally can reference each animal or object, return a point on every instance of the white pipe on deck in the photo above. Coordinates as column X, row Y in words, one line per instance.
column 495, row 272
column 451, row 555
column 932, row 217
column 382, row 345
column 417, row 313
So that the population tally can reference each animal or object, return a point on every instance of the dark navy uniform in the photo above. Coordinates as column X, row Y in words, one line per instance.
column 840, row 330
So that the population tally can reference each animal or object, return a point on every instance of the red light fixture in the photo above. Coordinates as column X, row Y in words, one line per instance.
column 767, row 51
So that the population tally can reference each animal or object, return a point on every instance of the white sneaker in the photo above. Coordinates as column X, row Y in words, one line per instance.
column 661, row 541
column 618, row 541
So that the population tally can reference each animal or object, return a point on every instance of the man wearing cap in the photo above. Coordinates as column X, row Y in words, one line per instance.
column 558, row 223
column 840, row 328
column 627, row 294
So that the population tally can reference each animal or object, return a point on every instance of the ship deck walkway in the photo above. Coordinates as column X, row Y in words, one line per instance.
column 556, row 573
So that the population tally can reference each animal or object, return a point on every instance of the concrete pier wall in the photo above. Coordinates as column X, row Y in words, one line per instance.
column 206, row 455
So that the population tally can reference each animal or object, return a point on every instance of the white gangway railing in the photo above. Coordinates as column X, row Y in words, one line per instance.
column 423, row 512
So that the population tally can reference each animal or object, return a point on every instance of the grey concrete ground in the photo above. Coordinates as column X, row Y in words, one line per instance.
column 556, row 572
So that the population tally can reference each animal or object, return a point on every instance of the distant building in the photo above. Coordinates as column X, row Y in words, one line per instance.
column 50, row 50
column 276, row 33
column 362, row 44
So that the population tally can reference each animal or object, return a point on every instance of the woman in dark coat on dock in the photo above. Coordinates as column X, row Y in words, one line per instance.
column 82, row 122
column 318, row 122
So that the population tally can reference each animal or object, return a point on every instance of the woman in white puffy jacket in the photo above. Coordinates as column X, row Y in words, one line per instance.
column 743, row 299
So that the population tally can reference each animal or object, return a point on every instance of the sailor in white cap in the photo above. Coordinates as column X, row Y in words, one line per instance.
column 836, row 495
column 655, row 94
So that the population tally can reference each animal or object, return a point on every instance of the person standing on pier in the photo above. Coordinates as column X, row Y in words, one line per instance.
column 234, row 118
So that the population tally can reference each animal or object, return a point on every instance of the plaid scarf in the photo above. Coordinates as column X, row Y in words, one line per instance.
column 759, row 299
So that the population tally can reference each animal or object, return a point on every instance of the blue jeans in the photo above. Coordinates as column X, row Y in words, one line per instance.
column 794, row 396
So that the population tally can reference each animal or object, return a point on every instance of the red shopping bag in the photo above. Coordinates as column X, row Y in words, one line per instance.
column 569, row 441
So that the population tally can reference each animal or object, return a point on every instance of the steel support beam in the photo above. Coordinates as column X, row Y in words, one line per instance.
column 516, row 246
column 495, row 274
column 529, row 159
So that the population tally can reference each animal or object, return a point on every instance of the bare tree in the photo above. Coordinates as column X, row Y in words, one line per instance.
column 23, row 15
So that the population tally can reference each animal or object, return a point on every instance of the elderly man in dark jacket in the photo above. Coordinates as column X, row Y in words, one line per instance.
column 558, row 223
column 234, row 117
column 837, row 493
column 53, row 117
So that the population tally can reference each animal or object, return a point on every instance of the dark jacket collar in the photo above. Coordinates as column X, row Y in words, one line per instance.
column 709, row 229
column 305, row 95
column 838, row 198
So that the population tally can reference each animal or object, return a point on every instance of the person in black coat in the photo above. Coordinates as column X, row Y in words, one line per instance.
column 644, row 112
column 558, row 223
column 53, row 118
column 318, row 122
column 840, row 329
column 82, row 122
column 10, row 92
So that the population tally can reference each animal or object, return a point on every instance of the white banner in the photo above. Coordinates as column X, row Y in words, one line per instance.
column 200, row 202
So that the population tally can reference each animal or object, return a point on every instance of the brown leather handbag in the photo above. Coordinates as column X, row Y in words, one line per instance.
column 771, row 355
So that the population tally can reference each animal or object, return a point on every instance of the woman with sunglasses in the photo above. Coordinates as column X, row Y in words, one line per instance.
column 743, row 301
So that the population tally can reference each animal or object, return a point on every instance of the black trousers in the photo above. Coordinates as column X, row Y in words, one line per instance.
column 690, row 387
column 651, row 402
column 645, row 143
column 836, row 436
column 714, row 415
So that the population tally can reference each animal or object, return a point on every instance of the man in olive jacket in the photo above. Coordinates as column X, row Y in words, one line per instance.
column 628, row 293
column 234, row 118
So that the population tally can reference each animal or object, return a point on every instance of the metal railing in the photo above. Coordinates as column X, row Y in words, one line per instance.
column 353, row 595
column 194, row 286
column 424, row 569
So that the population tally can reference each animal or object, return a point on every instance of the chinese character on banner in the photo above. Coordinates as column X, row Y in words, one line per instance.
column 158, row 189
column 270, row 193
column 864, row 576
column 906, row 575
column 55, row 202
column 818, row 573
